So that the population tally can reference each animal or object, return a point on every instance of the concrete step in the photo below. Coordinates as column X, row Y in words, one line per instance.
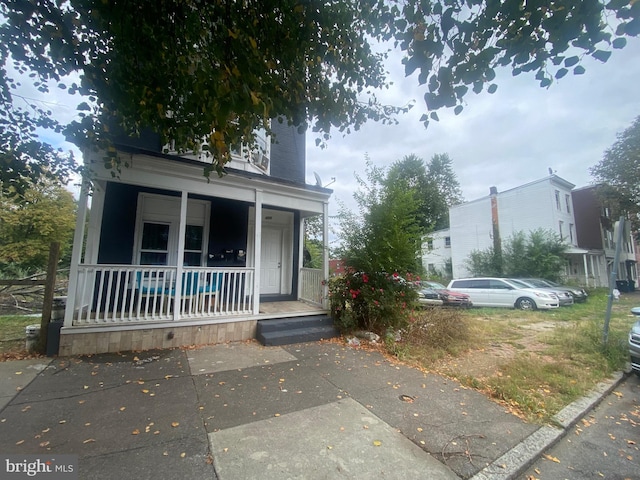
column 295, row 330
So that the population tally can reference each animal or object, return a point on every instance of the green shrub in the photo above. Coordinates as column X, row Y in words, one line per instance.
column 371, row 301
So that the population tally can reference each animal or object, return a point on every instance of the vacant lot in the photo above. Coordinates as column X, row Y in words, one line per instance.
column 534, row 362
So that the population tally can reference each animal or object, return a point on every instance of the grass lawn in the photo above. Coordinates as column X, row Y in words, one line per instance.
column 12, row 335
column 534, row 362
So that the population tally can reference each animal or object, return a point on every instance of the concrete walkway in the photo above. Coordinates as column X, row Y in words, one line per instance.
column 243, row 411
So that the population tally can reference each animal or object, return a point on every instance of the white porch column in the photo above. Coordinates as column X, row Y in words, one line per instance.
column 325, row 255
column 76, row 253
column 180, row 260
column 586, row 270
column 257, row 254
column 95, row 222
column 300, row 254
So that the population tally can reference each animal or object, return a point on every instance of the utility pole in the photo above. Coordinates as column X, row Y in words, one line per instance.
column 619, row 229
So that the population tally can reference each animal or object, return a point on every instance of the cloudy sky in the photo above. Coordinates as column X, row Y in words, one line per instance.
column 506, row 139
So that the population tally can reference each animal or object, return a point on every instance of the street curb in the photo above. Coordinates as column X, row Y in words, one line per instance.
column 523, row 455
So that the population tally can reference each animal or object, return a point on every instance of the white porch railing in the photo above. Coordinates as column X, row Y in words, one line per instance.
column 311, row 285
column 133, row 293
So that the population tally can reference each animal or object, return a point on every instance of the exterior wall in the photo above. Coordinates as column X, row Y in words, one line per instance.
column 470, row 229
column 436, row 254
column 522, row 209
column 288, row 157
column 533, row 206
column 170, row 336
column 588, row 218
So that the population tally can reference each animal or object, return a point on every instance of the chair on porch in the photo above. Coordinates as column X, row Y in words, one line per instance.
column 156, row 287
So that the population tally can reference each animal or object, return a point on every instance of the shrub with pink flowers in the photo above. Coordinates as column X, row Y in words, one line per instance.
column 371, row 301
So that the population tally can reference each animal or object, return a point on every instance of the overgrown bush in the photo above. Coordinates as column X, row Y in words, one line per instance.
column 371, row 301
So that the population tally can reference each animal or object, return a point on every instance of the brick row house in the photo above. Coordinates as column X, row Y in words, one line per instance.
column 167, row 257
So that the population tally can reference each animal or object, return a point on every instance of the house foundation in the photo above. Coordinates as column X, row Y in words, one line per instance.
column 88, row 341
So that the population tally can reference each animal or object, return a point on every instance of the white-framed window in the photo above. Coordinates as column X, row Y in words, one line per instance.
column 430, row 244
column 157, row 228
column 558, row 205
column 560, row 229
column 572, row 233
column 567, row 199
column 447, row 242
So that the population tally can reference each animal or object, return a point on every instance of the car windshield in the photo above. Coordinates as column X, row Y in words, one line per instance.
column 520, row 283
column 435, row 285
column 536, row 282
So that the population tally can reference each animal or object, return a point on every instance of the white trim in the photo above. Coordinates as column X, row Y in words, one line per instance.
column 167, row 174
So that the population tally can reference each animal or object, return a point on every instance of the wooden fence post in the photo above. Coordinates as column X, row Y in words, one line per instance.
column 49, row 290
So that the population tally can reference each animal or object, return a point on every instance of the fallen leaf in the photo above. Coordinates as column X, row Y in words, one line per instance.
column 144, row 390
column 618, row 394
column 183, row 454
column 175, row 424
column 18, row 373
column 19, row 442
column 553, row 459
column 377, row 443
column 135, row 432
column 44, row 444
column 122, row 409
column 165, row 454
column 89, row 440
column 62, row 421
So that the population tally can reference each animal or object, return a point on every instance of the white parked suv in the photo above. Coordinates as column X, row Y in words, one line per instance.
column 500, row 292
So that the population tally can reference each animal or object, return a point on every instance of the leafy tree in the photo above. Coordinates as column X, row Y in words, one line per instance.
column 619, row 173
column 384, row 234
column 193, row 70
column 379, row 244
column 538, row 254
column 28, row 225
column 435, row 185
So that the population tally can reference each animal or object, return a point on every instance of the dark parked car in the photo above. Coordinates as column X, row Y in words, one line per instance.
column 428, row 296
column 449, row 297
column 564, row 297
column 579, row 294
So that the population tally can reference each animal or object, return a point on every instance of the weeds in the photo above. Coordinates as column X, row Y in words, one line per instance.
column 547, row 359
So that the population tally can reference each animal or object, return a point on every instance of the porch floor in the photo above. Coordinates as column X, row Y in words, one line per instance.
column 288, row 309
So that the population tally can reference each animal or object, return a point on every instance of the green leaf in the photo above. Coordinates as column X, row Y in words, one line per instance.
column 601, row 55
column 434, row 116
column 571, row 61
column 83, row 106
column 561, row 73
column 633, row 27
column 579, row 70
column 458, row 110
column 619, row 42
column 492, row 88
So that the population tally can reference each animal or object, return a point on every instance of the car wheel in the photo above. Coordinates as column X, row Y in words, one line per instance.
column 525, row 304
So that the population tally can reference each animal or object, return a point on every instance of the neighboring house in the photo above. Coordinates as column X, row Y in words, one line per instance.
column 172, row 258
column 436, row 252
column 546, row 204
column 595, row 228
column 336, row 267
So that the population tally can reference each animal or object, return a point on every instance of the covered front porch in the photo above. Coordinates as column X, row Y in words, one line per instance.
column 168, row 258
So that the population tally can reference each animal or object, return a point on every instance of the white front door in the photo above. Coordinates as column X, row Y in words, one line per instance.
column 271, row 261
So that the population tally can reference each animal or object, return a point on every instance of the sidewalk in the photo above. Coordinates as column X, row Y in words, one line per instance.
column 243, row 411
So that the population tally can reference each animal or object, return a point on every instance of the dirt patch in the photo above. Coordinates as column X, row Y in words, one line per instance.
column 485, row 362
